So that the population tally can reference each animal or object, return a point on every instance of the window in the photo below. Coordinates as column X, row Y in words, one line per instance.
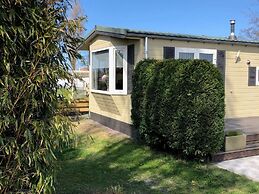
column 207, row 57
column 196, row 53
column 169, row 52
column 108, row 70
column 119, row 70
column 100, row 70
column 183, row 55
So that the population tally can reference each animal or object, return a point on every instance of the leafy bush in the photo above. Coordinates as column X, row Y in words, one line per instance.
column 180, row 105
column 37, row 45
column 140, row 79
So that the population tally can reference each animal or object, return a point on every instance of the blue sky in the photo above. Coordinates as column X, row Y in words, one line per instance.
column 198, row 17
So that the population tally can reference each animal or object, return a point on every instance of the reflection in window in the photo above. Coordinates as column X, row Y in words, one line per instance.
column 100, row 70
column 183, row 55
column 207, row 57
column 119, row 70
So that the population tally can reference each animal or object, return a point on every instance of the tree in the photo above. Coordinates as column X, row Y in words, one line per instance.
column 78, row 16
column 37, row 45
column 252, row 32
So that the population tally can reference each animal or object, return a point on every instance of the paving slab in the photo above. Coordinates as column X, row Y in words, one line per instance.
column 248, row 167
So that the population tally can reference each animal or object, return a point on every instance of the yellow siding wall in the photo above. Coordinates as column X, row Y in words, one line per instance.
column 113, row 106
column 241, row 100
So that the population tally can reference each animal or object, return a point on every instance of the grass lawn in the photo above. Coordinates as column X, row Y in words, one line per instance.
column 109, row 162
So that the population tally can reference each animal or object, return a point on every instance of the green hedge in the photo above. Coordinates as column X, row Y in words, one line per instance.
column 179, row 105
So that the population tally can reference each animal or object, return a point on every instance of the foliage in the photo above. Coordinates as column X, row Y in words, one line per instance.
column 37, row 45
column 140, row 80
column 113, row 164
column 252, row 32
column 233, row 133
column 179, row 105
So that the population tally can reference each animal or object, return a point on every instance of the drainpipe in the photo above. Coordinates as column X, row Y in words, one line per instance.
column 146, row 48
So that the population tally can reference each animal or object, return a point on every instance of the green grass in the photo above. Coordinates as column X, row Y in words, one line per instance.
column 111, row 163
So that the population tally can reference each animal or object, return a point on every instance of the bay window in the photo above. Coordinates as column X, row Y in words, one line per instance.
column 108, row 70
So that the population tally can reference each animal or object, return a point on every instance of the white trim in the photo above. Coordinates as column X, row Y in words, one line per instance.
column 90, row 70
column 125, row 72
column 146, row 47
column 112, row 70
column 196, row 52
column 257, row 76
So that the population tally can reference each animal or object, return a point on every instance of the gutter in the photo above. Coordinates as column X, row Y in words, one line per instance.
column 228, row 42
column 129, row 34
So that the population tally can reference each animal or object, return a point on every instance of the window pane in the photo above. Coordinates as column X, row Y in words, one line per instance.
column 169, row 52
column 207, row 57
column 186, row 55
column 119, row 70
column 100, row 70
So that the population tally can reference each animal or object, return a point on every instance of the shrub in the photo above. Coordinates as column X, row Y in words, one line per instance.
column 181, row 106
column 140, row 79
column 37, row 44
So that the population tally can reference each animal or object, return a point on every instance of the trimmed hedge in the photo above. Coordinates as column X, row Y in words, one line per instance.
column 179, row 105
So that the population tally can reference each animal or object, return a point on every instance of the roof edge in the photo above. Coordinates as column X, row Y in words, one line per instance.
column 124, row 33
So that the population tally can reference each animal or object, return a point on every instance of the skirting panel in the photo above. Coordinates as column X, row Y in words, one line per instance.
column 115, row 124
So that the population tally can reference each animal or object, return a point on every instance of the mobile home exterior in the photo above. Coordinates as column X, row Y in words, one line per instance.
column 114, row 52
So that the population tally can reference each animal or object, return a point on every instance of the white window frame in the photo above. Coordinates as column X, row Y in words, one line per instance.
column 257, row 76
column 196, row 52
column 112, row 71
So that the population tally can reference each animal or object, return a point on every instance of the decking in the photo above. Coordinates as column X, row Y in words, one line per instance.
column 249, row 126
column 81, row 105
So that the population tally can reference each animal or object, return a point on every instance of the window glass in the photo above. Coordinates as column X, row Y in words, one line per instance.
column 100, row 70
column 183, row 55
column 207, row 57
column 119, row 70
column 169, row 52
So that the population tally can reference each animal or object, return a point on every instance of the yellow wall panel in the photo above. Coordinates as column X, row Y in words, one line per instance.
column 241, row 100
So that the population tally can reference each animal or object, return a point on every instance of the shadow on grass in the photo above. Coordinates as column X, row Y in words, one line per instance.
column 124, row 167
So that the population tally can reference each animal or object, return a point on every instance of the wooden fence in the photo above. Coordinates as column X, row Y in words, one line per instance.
column 80, row 105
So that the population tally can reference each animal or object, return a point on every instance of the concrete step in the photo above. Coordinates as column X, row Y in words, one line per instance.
column 250, row 150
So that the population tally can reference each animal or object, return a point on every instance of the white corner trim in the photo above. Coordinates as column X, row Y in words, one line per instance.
column 257, row 76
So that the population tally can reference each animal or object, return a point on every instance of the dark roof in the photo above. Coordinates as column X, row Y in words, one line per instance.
column 129, row 33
